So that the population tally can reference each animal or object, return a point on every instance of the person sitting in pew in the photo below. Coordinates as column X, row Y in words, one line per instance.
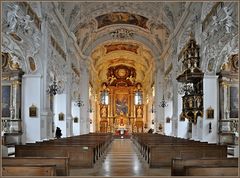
column 58, row 133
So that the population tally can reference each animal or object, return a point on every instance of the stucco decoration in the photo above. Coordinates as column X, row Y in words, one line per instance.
column 206, row 8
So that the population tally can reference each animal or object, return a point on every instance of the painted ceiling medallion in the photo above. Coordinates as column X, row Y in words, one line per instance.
column 16, row 37
column 120, row 46
column 121, row 18
column 121, row 72
column 32, row 64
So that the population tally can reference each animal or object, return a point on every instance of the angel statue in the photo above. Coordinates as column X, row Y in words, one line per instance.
column 229, row 20
column 26, row 22
column 12, row 18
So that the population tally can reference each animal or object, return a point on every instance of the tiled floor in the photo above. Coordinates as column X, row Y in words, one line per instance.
column 122, row 159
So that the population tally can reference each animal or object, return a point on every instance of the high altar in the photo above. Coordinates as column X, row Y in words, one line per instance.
column 120, row 114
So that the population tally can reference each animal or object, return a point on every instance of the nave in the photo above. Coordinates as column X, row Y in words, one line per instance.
column 122, row 159
column 98, row 154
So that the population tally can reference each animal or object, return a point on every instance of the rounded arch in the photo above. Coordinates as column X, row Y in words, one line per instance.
column 104, row 8
column 136, row 38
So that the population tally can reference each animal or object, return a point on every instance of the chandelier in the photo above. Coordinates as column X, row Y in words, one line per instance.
column 79, row 103
column 54, row 88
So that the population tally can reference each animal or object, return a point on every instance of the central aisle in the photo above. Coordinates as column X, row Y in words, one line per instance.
column 122, row 159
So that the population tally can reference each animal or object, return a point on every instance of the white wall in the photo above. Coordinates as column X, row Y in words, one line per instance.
column 76, row 113
column 31, row 95
column 182, row 125
column 210, row 98
column 168, row 113
column 60, row 106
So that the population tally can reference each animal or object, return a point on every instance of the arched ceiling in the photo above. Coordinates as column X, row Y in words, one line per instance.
column 122, row 53
column 151, row 24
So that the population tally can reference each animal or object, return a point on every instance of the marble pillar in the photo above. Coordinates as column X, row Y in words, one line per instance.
column 84, row 95
column 32, row 126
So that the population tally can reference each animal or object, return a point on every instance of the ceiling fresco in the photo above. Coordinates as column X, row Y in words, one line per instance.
column 121, row 18
column 120, row 46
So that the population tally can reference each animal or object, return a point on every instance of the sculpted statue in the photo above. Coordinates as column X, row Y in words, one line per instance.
column 12, row 18
column 229, row 20
column 26, row 22
column 215, row 24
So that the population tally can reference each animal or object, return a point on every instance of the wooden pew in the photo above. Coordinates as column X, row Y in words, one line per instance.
column 210, row 171
column 79, row 156
column 162, row 155
column 179, row 165
column 29, row 170
column 83, row 150
column 62, row 163
column 159, row 150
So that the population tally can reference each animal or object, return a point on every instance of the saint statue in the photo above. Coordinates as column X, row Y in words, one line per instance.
column 12, row 18
column 139, row 112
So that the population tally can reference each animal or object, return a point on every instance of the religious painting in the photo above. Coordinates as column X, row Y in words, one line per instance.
column 75, row 119
column 6, row 98
column 5, row 57
column 210, row 113
column 126, row 47
column 234, row 102
column 61, row 116
column 168, row 119
column 33, row 111
column 121, row 104
column 121, row 18
column 32, row 64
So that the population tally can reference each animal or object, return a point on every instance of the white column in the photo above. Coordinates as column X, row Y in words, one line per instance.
column 182, row 126
column 84, row 95
column 210, row 98
column 46, row 113
column 168, row 113
column 175, row 109
column 60, row 107
column 76, row 113
column 69, row 129
column 32, row 126
column 158, row 96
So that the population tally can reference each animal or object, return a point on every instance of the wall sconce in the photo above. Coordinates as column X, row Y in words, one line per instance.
column 210, row 127
column 153, row 110
column 79, row 103
column 163, row 103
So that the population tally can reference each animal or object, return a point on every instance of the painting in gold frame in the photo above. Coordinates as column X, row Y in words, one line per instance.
column 121, row 104
column 33, row 111
column 75, row 119
column 210, row 113
column 61, row 116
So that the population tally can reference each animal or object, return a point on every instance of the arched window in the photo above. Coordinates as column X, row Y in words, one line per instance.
column 138, row 98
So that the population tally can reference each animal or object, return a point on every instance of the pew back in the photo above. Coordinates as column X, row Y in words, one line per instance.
column 62, row 163
column 29, row 170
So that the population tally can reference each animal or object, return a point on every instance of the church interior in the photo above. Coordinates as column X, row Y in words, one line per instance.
column 91, row 88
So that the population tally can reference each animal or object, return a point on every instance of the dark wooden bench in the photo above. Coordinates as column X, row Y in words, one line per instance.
column 79, row 156
column 179, row 165
column 82, row 150
column 211, row 171
column 29, row 170
column 62, row 163
column 159, row 150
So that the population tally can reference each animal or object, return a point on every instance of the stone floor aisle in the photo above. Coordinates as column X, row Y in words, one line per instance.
column 122, row 159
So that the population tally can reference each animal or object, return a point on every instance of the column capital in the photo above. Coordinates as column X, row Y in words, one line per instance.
column 32, row 76
column 210, row 77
